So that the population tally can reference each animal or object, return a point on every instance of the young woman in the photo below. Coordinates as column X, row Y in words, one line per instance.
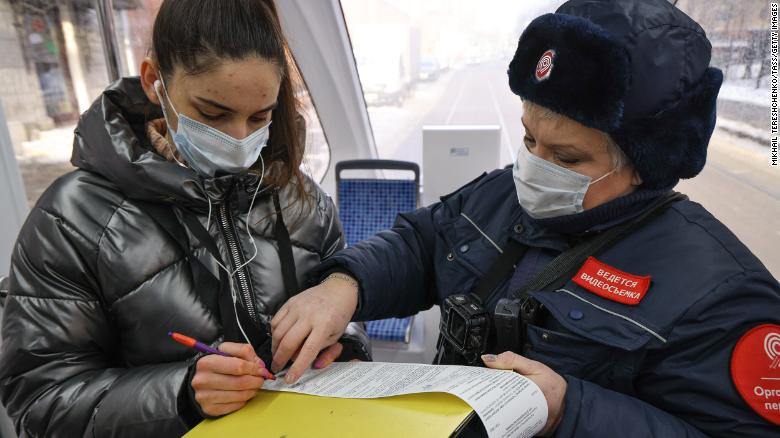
column 188, row 213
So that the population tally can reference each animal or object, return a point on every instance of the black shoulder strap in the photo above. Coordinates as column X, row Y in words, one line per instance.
column 501, row 268
column 286, row 258
column 558, row 272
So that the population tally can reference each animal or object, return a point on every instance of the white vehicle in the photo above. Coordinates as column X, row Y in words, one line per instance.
column 387, row 61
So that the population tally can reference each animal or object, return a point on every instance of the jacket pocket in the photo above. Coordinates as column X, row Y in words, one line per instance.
column 587, row 341
column 568, row 353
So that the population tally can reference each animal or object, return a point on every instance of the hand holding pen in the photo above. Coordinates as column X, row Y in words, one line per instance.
column 226, row 378
column 205, row 348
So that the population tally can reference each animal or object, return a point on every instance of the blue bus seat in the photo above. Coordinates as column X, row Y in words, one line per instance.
column 369, row 205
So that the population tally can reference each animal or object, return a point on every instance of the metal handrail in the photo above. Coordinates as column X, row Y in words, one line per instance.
column 105, row 15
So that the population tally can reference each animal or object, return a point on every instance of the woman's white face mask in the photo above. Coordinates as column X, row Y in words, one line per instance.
column 208, row 150
column 547, row 190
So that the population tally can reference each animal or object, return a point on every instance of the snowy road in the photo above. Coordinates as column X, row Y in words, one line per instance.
column 754, row 115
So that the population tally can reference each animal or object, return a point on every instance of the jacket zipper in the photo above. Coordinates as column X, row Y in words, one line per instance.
column 237, row 259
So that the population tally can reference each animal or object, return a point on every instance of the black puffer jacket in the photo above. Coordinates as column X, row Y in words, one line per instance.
column 96, row 282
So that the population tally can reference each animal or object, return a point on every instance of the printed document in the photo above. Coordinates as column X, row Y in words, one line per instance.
column 509, row 405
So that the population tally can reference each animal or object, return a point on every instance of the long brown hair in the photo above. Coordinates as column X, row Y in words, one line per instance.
column 197, row 35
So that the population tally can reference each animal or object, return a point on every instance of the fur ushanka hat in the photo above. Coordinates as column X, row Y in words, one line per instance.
column 635, row 69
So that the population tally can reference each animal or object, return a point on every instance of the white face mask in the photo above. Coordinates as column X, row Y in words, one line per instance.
column 547, row 190
column 208, row 150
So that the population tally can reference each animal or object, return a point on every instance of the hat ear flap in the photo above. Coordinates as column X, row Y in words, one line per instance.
column 672, row 144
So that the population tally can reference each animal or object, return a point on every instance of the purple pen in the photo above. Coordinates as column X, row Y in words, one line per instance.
column 197, row 345
column 203, row 348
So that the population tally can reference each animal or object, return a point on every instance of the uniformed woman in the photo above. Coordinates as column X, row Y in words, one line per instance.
column 634, row 310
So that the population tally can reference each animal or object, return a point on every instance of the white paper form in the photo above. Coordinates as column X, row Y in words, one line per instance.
column 509, row 405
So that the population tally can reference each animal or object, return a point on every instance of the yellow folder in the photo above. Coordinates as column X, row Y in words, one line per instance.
column 291, row 415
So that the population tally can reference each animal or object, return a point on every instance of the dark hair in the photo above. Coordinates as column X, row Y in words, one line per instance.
column 197, row 35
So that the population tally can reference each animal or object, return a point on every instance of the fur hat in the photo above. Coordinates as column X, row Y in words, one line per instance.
column 635, row 69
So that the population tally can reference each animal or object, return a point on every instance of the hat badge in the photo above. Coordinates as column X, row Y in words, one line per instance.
column 545, row 65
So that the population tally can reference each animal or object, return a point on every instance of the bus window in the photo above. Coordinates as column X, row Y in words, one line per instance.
column 437, row 62
column 738, row 184
column 444, row 62
column 53, row 68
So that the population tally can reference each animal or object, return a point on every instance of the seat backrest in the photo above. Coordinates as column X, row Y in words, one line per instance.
column 370, row 205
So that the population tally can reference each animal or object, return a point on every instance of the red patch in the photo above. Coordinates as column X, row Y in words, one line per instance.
column 612, row 283
column 755, row 370
column 545, row 65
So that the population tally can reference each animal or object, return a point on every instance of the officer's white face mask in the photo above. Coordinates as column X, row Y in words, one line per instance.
column 547, row 190
column 207, row 149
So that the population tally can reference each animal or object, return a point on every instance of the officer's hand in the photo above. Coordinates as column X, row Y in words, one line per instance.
column 553, row 386
column 327, row 356
column 224, row 384
column 310, row 322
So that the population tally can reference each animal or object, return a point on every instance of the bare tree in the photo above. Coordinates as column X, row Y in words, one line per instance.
column 763, row 59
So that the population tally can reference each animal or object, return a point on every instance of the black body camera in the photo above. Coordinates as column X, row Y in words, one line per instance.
column 464, row 327
column 508, row 324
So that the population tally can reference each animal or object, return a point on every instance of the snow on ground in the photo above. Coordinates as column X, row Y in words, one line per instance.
column 741, row 129
column 53, row 146
column 739, row 92
column 744, row 90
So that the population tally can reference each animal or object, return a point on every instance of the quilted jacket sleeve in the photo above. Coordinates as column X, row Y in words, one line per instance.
column 58, row 373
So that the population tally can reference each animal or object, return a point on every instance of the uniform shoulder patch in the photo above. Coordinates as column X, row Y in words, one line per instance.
column 755, row 370
column 612, row 283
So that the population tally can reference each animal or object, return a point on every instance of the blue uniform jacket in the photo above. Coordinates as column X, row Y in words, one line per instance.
column 659, row 368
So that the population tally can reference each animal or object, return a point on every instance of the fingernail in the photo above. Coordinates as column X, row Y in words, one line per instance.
column 319, row 363
column 488, row 357
column 260, row 361
column 289, row 378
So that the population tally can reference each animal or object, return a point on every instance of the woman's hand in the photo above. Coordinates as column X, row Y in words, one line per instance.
column 310, row 322
column 224, row 384
column 553, row 386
